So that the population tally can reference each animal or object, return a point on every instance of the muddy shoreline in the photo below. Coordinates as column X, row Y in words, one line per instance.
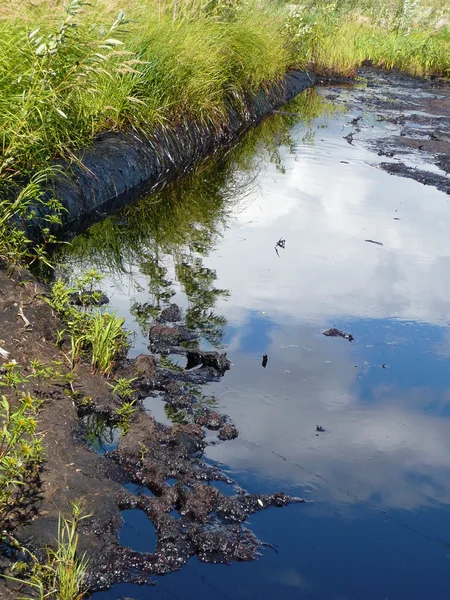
column 415, row 113
column 191, row 517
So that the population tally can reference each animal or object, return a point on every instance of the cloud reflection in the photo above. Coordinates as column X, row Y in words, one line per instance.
column 395, row 449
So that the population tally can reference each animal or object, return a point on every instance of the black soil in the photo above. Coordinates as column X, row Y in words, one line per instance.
column 210, row 524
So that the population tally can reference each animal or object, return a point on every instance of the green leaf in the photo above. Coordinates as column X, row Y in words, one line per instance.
column 33, row 33
column 113, row 42
column 41, row 49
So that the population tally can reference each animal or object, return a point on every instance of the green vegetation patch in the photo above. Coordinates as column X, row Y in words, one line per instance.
column 412, row 36
column 69, row 73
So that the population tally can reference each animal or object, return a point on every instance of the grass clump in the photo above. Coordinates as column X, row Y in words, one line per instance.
column 20, row 447
column 61, row 576
column 91, row 331
column 66, row 77
column 69, row 73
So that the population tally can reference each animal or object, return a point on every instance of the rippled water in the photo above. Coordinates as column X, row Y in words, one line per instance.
column 379, row 476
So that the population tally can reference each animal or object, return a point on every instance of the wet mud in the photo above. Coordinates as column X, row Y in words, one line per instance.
column 164, row 464
column 414, row 115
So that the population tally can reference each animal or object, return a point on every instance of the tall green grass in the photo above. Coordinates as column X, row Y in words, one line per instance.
column 63, row 83
column 61, row 576
column 70, row 73
column 337, row 37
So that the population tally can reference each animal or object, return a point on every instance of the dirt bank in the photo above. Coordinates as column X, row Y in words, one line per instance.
column 191, row 517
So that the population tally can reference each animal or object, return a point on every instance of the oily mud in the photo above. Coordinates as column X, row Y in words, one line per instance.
column 149, row 455
column 414, row 114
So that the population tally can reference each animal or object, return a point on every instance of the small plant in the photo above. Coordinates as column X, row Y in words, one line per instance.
column 86, row 295
column 17, row 214
column 20, row 449
column 107, row 339
column 124, row 413
column 12, row 377
column 100, row 333
column 41, row 370
column 123, row 387
column 61, row 576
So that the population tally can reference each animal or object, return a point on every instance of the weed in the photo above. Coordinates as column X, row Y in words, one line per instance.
column 61, row 576
column 124, row 414
column 107, row 340
column 20, row 450
column 123, row 387
column 336, row 37
column 99, row 333
column 11, row 376
column 126, row 410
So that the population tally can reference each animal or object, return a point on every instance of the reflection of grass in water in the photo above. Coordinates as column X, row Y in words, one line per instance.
column 166, row 363
column 177, row 415
column 190, row 214
column 171, row 231
column 184, row 416
column 98, row 433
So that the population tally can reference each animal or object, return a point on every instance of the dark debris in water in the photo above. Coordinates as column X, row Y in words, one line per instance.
column 280, row 244
column 213, row 360
column 418, row 113
column 440, row 182
column 349, row 137
column 334, row 332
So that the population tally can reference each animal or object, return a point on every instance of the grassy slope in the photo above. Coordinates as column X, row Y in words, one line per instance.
column 68, row 74
column 83, row 70
column 161, row 71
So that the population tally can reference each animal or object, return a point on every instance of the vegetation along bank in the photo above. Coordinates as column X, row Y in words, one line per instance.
column 69, row 74
column 169, row 82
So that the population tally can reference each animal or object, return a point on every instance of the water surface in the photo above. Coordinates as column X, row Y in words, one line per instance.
column 378, row 478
